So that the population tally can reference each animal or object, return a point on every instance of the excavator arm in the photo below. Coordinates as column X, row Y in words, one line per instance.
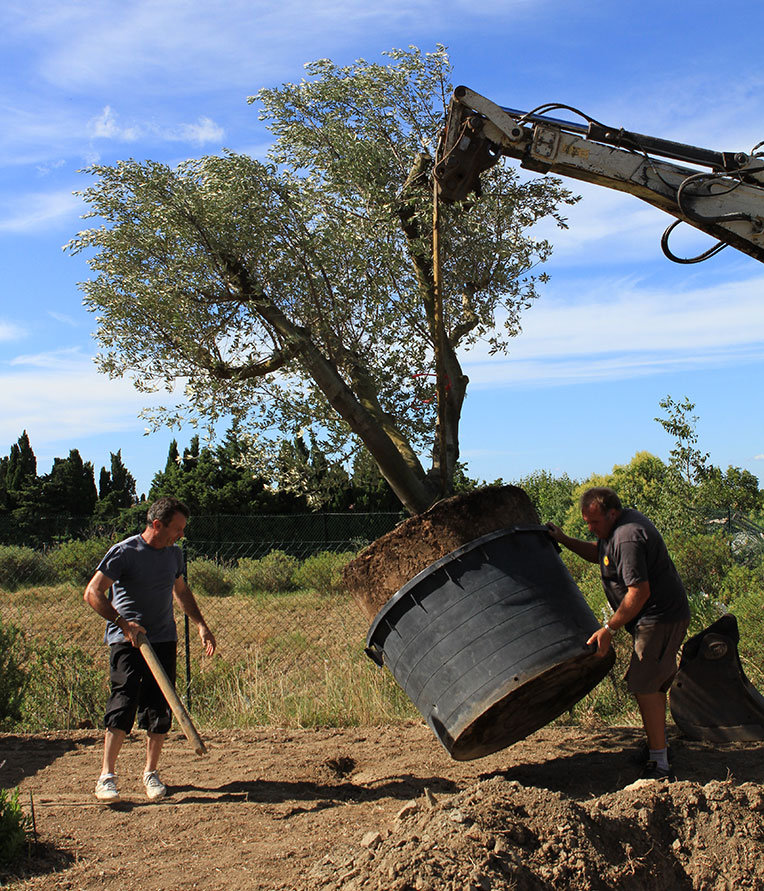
column 722, row 193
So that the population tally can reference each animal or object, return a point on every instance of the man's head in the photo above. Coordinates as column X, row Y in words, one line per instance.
column 600, row 508
column 166, row 521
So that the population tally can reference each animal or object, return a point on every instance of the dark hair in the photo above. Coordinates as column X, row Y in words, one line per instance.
column 605, row 499
column 165, row 508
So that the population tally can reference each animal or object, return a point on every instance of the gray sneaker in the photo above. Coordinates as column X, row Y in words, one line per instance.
column 155, row 788
column 106, row 788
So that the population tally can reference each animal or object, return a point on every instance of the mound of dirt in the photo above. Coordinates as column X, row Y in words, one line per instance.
column 499, row 835
column 387, row 564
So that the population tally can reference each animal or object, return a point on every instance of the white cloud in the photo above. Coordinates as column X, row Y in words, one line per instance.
column 203, row 132
column 106, row 126
column 49, row 167
column 10, row 331
column 64, row 360
column 63, row 318
column 40, row 210
column 60, row 395
column 177, row 46
column 621, row 329
column 605, row 223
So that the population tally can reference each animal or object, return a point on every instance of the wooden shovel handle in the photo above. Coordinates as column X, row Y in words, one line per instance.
column 173, row 700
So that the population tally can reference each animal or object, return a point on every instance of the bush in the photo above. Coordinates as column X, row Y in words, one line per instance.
column 702, row 561
column 704, row 611
column 14, row 827
column 209, row 577
column 76, row 561
column 273, row 573
column 21, row 566
column 741, row 585
column 13, row 678
column 323, row 572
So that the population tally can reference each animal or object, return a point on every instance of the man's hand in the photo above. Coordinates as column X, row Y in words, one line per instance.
column 132, row 631
column 602, row 638
column 208, row 639
column 585, row 549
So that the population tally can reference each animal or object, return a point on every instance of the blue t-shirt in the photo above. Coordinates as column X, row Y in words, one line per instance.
column 143, row 580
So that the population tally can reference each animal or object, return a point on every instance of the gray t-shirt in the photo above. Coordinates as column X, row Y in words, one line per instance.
column 635, row 552
column 142, row 591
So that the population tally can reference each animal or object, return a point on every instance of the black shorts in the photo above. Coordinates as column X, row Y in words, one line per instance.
column 135, row 691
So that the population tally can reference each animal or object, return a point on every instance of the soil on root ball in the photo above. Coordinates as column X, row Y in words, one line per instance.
column 387, row 564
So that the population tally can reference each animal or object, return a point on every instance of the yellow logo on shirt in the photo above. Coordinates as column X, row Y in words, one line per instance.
column 606, row 561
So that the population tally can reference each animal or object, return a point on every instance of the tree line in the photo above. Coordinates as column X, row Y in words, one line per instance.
column 678, row 494
column 210, row 479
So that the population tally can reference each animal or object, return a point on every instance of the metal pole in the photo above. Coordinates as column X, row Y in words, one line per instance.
column 186, row 635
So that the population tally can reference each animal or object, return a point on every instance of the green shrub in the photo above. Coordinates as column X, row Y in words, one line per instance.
column 65, row 688
column 273, row 573
column 209, row 577
column 741, row 583
column 14, row 827
column 702, row 561
column 13, row 678
column 704, row 611
column 76, row 561
column 323, row 572
column 20, row 567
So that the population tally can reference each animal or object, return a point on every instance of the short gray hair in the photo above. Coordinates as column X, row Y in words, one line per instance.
column 165, row 508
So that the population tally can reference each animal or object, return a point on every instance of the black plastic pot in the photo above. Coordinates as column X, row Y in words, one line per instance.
column 489, row 642
column 711, row 698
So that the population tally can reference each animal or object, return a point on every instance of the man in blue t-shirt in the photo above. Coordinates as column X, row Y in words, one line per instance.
column 133, row 589
column 646, row 593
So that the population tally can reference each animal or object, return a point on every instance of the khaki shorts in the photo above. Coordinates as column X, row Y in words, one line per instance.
column 653, row 660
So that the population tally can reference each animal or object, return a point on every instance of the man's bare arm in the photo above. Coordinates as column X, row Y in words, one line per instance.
column 95, row 596
column 190, row 607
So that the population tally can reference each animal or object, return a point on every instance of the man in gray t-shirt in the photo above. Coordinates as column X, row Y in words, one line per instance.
column 133, row 589
column 646, row 593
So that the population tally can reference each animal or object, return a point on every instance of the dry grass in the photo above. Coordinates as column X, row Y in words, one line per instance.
column 292, row 659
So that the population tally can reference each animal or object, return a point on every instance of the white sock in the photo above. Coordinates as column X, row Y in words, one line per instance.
column 660, row 757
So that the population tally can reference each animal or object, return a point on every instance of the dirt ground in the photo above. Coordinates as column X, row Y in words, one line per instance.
column 386, row 808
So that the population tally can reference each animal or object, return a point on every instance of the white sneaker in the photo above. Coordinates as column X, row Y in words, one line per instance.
column 106, row 788
column 155, row 788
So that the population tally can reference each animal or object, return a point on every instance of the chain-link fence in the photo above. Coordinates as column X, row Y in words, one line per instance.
column 290, row 640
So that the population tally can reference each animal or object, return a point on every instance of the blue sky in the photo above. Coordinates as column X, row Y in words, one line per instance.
column 617, row 328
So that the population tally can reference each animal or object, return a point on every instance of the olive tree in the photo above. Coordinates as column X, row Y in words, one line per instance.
column 298, row 292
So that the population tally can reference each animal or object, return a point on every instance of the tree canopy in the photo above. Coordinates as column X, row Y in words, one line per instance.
column 298, row 294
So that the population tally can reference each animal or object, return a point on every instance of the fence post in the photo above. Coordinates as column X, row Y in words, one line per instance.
column 187, row 638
